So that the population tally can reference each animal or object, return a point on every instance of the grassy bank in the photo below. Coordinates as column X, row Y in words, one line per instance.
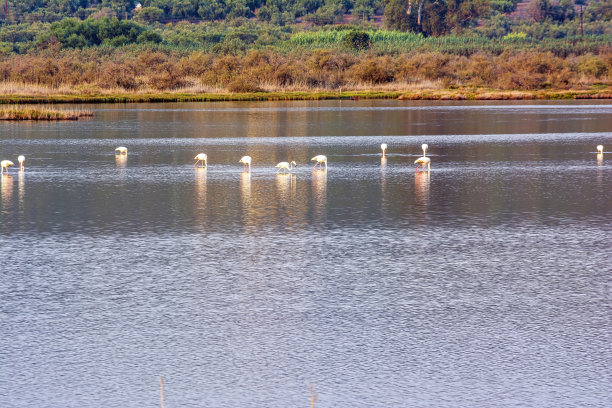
column 41, row 113
column 14, row 113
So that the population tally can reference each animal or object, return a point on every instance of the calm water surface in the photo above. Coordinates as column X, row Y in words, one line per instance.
column 484, row 283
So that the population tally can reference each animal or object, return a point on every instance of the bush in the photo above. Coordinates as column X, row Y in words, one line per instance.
column 240, row 85
column 115, row 75
column 593, row 65
column 357, row 40
column 149, row 37
column 373, row 71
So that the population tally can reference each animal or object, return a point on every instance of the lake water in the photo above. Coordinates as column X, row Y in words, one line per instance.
column 485, row 282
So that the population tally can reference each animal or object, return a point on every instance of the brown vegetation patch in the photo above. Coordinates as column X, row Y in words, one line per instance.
column 41, row 113
column 97, row 72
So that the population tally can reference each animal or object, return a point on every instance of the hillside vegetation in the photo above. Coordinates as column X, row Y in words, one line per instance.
column 109, row 46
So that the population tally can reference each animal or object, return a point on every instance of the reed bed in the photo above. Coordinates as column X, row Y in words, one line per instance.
column 42, row 113
column 388, row 41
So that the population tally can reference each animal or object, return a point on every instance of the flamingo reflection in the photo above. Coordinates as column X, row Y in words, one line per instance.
column 245, row 188
column 200, row 185
column 421, row 187
column 319, row 193
column 383, row 178
column 285, row 184
column 6, row 183
column 21, row 188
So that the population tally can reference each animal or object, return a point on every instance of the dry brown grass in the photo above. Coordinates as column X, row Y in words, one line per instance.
column 90, row 74
column 17, row 112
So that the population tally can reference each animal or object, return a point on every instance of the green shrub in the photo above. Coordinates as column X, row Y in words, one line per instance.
column 520, row 36
column 357, row 40
column 149, row 37
column 593, row 65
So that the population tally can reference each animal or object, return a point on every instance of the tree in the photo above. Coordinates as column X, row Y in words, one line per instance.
column 364, row 8
column 396, row 17
column 539, row 10
column 599, row 10
column 434, row 17
column 150, row 14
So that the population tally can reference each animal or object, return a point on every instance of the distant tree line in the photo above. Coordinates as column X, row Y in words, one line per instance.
column 81, row 23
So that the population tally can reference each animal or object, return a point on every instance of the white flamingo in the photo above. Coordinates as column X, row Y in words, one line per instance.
column 383, row 147
column 600, row 149
column 246, row 160
column 201, row 157
column 423, row 161
column 5, row 165
column 319, row 160
column 21, row 159
column 286, row 166
column 121, row 150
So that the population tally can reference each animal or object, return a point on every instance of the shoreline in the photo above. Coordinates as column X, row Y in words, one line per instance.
column 425, row 94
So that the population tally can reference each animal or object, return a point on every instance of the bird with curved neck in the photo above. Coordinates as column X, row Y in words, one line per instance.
column 320, row 159
column 286, row 166
column 383, row 147
column 4, row 164
column 423, row 161
column 201, row 157
column 246, row 160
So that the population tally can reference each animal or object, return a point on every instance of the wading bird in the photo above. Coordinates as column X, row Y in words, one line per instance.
column 21, row 159
column 5, row 165
column 121, row 150
column 246, row 160
column 423, row 161
column 285, row 166
column 599, row 149
column 201, row 157
column 319, row 160
column 383, row 147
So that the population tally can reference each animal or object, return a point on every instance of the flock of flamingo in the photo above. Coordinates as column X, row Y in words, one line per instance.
column 423, row 162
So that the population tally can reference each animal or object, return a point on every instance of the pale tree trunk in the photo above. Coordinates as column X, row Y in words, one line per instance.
column 419, row 11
